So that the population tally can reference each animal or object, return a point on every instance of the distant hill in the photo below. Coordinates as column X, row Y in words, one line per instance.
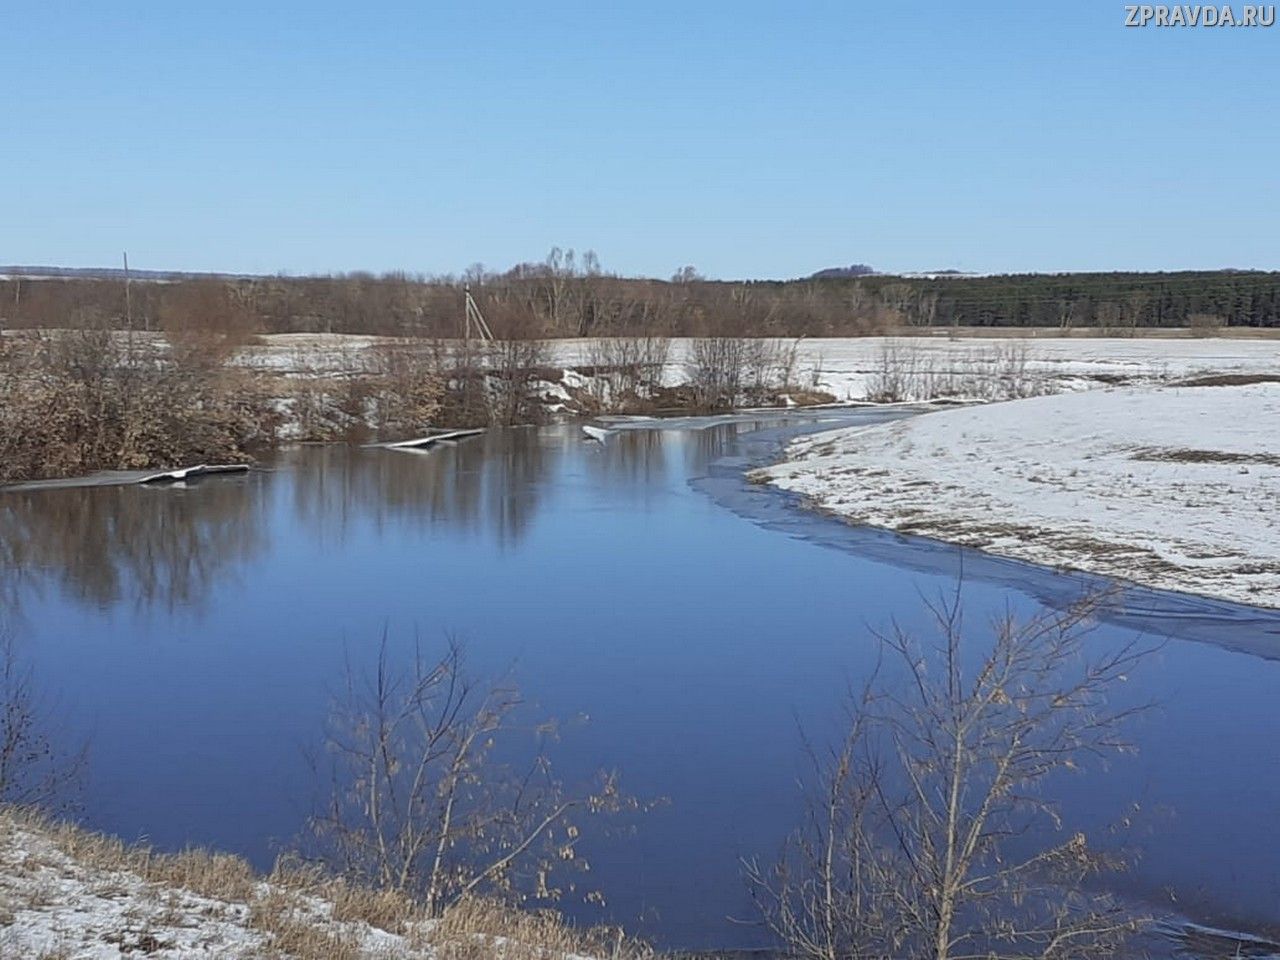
column 853, row 270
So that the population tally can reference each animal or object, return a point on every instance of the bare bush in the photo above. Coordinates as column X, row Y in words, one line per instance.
column 626, row 370
column 420, row 804
column 467, row 398
column 406, row 387
column 906, row 371
column 725, row 372
column 716, row 371
column 896, row 375
column 395, row 388
column 769, row 366
column 931, row 831
column 514, row 367
column 206, row 321
column 89, row 399
column 1205, row 324
column 483, row 383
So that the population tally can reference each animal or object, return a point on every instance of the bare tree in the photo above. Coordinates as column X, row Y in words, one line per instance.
column 1135, row 304
column 1205, row 324
column 627, row 369
column 1107, row 315
column 931, row 833
column 515, row 366
column 420, row 804
column 716, row 368
column 405, row 386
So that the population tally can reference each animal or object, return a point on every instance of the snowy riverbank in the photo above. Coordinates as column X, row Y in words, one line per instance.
column 1171, row 487
column 72, row 895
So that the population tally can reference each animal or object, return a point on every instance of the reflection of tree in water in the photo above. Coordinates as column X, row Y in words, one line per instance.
column 166, row 547
column 489, row 484
column 512, row 474
column 633, row 462
column 710, row 444
column 34, row 770
column 104, row 544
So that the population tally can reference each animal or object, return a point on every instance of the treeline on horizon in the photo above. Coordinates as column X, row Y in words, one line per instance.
column 565, row 297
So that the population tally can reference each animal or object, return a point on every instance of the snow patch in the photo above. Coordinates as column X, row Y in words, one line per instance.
column 1173, row 488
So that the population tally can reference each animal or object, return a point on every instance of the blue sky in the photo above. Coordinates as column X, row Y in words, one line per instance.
column 748, row 139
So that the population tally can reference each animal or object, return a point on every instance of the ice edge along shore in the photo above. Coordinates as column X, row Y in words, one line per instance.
column 1171, row 487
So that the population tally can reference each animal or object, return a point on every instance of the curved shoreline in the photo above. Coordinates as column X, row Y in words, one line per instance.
column 1175, row 490
column 736, row 483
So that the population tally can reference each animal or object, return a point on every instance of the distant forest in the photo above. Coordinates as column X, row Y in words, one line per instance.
column 564, row 296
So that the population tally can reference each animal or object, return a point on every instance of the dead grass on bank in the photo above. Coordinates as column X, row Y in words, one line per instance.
column 1228, row 380
column 300, row 912
column 1187, row 455
column 470, row 930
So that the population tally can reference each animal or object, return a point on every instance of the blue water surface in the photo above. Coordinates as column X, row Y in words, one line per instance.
column 692, row 623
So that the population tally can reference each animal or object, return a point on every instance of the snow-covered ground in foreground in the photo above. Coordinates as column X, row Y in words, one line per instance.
column 849, row 368
column 54, row 906
column 1169, row 487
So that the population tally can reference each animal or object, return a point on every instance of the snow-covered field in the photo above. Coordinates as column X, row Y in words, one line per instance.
column 850, row 368
column 1170, row 487
column 855, row 369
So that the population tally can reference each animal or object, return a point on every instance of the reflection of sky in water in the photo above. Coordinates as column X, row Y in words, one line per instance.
column 198, row 631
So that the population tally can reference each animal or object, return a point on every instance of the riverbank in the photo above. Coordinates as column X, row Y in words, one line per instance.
column 1171, row 487
column 856, row 369
column 73, row 403
column 73, row 895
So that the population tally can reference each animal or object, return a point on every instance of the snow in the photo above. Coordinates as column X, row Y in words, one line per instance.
column 1172, row 487
column 847, row 368
column 52, row 905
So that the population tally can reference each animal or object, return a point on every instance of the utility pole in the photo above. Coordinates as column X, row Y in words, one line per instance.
column 474, row 320
column 128, row 295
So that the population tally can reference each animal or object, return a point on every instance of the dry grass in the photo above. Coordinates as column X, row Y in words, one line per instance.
column 1229, row 380
column 1187, row 455
column 482, row 929
column 218, row 876
column 294, row 928
column 300, row 912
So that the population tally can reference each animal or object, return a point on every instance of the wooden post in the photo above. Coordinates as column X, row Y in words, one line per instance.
column 128, row 298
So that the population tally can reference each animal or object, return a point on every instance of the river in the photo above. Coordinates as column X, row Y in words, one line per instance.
column 684, row 625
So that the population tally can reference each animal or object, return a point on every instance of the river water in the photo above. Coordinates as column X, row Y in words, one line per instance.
column 686, row 626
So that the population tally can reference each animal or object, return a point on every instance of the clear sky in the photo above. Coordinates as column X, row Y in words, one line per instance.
column 748, row 139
